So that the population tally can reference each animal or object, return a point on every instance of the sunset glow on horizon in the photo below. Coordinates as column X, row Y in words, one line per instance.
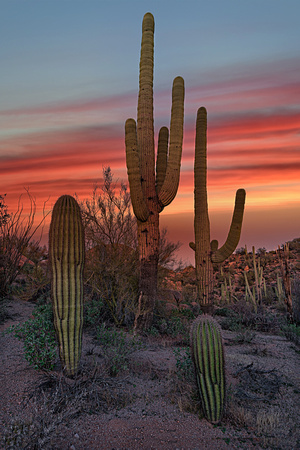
column 58, row 140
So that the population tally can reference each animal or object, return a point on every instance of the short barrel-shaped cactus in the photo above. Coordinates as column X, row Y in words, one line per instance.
column 66, row 252
column 208, row 357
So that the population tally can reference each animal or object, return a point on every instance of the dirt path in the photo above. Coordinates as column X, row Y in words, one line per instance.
column 146, row 406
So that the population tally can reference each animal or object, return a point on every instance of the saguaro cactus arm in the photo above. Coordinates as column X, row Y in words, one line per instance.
column 169, row 188
column 213, row 245
column 219, row 255
column 162, row 157
column 234, row 234
column 134, row 173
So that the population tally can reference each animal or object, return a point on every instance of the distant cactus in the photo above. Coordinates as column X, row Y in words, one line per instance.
column 259, row 290
column 208, row 357
column 206, row 252
column 278, row 289
column 66, row 252
column 283, row 255
column 150, row 193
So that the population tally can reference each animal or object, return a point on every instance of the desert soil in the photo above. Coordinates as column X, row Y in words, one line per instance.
column 147, row 406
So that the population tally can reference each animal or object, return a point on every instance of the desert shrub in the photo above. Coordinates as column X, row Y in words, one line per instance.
column 270, row 295
column 116, row 348
column 16, row 232
column 295, row 244
column 111, row 269
column 35, row 274
column 185, row 315
column 36, row 287
column 189, row 293
column 240, row 251
column 112, row 262
column 265, row 321
column 244, row 336
column 176, row 326
column 292, row 332
column 94, row 312
column 296, row 299
column 184, row 364
column 38, row 338
column 112, row 278
column 4, row 313
column 241, row 315
column 230, row 319
column 223, row 312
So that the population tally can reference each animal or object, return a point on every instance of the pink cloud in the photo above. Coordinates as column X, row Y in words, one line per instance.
column 79, row 106
column 253, row 140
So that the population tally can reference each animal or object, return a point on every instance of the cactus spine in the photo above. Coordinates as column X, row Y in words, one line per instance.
column 208, row 357
column 206, row 252
column 151, row 192
column 66, row 252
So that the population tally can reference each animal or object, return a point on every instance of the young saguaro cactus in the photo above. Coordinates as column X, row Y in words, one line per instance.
column 206, row 252
column 151, row 192
column 208, row 358
column 66, row 252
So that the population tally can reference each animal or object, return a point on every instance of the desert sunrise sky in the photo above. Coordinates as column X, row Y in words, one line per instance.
column 69, row 81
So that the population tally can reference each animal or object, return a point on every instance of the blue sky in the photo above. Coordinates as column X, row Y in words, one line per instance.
column 69, row 80
column 63, row 49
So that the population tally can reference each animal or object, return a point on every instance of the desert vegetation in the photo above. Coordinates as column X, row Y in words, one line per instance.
column 250, row 307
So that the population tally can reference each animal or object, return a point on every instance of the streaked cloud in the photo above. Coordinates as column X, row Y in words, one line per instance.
column 253, row 142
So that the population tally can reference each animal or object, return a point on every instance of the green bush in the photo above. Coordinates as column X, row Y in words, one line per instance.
column 184, row 364
column 176, row 326
column 231, row 320
column 296, row 299
column 93, row 312
column 291, row 332
column 38, row 338
column 116, row 347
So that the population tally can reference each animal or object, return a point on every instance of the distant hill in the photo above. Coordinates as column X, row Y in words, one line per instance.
column 232, row 270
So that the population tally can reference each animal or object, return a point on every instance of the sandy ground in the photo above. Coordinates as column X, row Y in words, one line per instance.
column 147, row 406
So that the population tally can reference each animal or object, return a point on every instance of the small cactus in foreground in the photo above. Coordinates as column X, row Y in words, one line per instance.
column 66, row 252
column 208, row 357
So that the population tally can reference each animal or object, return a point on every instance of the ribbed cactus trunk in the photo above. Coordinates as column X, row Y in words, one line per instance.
column 208, row 358
column 204, row 267
column 206, row 251
column 152, row 186
column 66, row 252
column 148, row 239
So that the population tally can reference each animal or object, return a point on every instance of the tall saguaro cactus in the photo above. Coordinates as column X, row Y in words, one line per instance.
column 151, row 192
column 66, row 251
column 206, row 252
